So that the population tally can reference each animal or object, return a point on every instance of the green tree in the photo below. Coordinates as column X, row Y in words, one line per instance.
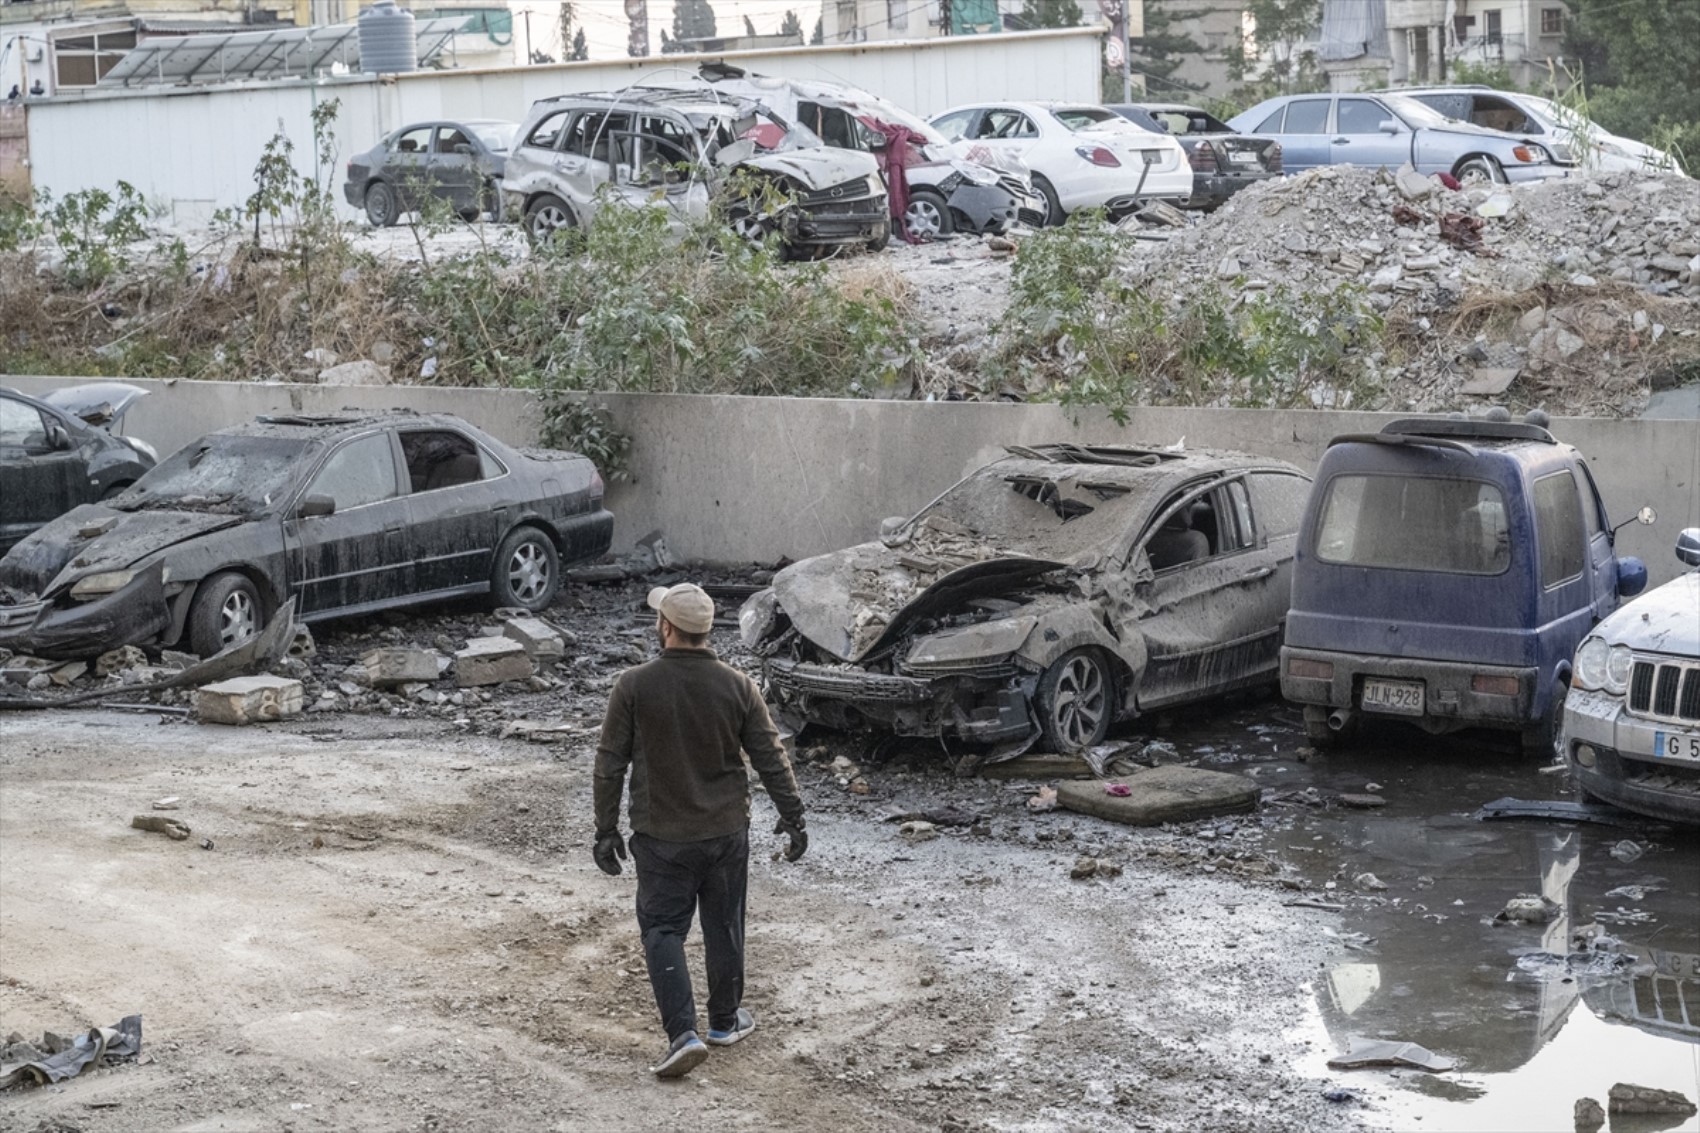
column 1049, row 14
column 1160, row 52
column 792, row 24
column 1638, row 65
column 1273, row 60
column 581, row 47
column 692, row 19
column 566, row 20
column 749, row 27
column 819, row 35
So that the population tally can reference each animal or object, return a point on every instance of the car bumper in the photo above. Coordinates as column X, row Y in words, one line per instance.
column 1625, row 764
column 978, row 710
column 984, row 207
column 1211, row 189
column 136, row 613
column 854, row 222
column 1527, row 174
column 353, row 194
column 1448, row 693
column 1110, row 188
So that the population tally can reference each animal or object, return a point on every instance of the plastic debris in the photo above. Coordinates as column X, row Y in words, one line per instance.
column 1378, row 1053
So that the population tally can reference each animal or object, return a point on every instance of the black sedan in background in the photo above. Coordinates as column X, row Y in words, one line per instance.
column 62, row 450
column 1224, row 161
column 345, row 514
column 459, row 162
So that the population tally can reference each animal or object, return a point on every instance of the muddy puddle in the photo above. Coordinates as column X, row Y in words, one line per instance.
column 1535, row 1015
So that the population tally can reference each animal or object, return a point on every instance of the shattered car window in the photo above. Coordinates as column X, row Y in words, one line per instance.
column 20, row 425
column 236, row 474
column 1414, row 523
column 1044, row 510
column 360, row 472
column 440, row 459
column 497, row 138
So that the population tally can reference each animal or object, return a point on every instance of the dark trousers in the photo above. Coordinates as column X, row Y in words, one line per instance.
column 676, row 880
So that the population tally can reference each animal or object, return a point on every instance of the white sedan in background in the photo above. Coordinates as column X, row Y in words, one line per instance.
column 1081, row 156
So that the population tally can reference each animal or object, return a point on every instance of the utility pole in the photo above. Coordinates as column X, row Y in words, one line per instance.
column 946, row 17
column 1440, row 50
column 528, row 56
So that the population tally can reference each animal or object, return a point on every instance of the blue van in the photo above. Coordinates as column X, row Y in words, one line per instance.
column 1446, row 570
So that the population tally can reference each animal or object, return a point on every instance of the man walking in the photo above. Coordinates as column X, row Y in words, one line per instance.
column 679, row 723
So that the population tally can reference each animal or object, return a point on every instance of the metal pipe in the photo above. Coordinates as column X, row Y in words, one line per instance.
column 1340, row 719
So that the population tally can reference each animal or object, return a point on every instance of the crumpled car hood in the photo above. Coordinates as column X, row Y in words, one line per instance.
column 851, row 602
column 95, row 538
column 1666, row 620
column 98, row 403
column 817, row 168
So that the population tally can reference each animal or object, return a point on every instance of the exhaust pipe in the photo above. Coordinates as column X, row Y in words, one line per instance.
column 1340, row 719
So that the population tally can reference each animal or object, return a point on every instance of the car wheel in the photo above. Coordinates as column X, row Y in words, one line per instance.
column 1479, row 171
column 527, row 571
column 547, row 216
column 1541, row 739
column 226, row 612
column 492, row 202
column 1076, row 702
column 882, row 238
column 928, row 216
column 382, row 208
column 1053, row 208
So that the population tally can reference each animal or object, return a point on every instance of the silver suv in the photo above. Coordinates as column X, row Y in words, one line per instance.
column 683, row 147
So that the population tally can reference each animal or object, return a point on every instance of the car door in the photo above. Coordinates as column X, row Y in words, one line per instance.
column 1208, row 622
column 958, row 124
column 594, row 153
column 359, row 556
column 1007, row 131
column 1563, row 549
column 408, row 166
column 1304, row 134
column 1359, row 138
column 44, row 473
column 456, row 509
column 1278, row 501
column 454, row 168
column 1602, row 555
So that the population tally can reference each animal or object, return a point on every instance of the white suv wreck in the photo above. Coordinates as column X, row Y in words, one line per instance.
column 681, row 148
column 1632, row 718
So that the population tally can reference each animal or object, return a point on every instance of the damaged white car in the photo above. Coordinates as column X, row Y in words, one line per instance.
column 684, row 149
column 1045, row 596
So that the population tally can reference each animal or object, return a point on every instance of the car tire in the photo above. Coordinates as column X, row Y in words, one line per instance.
column 226, row 612
column 382, row 208
column 1054, row 215
column 882, row 238
column 548, row 216
column 1479, row 170
column 527, row 570
column 1076, row 701
column 492, row 202
column 1540, row 740
column 927, row 216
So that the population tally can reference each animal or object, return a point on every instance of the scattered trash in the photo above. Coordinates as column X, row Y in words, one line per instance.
column 918, row 831
column 1118, row 790
column 1557, row 811
column 1369, row 882
column 1046, row 799
column 1627, row 851
column 206, row 843
column 1352, row 941
column 1625, row 916
column 539, row 732
column 172, row 828
column 170, row 802
column 1087, row 866
column 1380, row 1053
column 1625, row 1098
column 1362, row 802
column 1631, row 892
column 1164, row 794
column 1464, row 231
column 1339, row 1095
column 122, row 1040
column 1527, row 909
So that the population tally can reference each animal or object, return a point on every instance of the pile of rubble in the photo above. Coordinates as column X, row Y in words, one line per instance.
column 1523, row 293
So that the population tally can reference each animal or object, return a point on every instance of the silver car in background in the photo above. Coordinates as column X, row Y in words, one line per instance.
column 460, row 162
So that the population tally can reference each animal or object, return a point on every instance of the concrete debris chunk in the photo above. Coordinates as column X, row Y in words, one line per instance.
column 392, row 667
column 1527, row 909
column 537, row 636
column 117, row 660
column 249, row 700
column 1414, row 186
column 491, row 661
column 1163, row 794
column 1625, row 1098
column 1490, row 381
column 361, row 373
column 1589, row 1115
column 173, row 828
column 21, row 670
column 918, row 831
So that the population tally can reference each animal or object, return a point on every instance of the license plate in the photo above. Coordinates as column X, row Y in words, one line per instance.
column 1677, row 745
column 1402, row 697
column 1244, row 158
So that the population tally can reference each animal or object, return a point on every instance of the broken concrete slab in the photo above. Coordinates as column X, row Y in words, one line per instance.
column 537, row 636
column 69, row 672
column 1163, row 794
column 492, row 660
column 22, row 670
column 1378, row 1053
column 1414, row 186
column 1038, row 765
column 392, row 667
column 117, row 660
column 248, row 700
column 1489, row 381
column 1625, row 1098
column 359, row 373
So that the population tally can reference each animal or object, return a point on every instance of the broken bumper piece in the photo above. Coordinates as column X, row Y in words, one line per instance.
column 130, row 615
column 850, row 222
column 965, row 708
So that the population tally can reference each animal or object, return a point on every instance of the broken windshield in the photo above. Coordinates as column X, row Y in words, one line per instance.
column 234, row 474
column 1045, row 510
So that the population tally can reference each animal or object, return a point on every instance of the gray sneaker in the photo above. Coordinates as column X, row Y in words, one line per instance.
column 685, row 1055
column 744, row 1024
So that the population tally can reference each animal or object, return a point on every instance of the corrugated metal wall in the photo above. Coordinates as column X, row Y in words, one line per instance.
column 193, row 151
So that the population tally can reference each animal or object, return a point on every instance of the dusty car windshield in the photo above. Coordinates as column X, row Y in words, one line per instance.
column 497, row 138
column 1045, row 512
column 1416, row 114
column 1094, row 118
column 1414, row 523
column 235, row 474
column 769, row 132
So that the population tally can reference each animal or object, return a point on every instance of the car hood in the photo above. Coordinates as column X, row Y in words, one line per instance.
column 817, row 168
column 1667, row 620
column 95, row 538
column 98, row 403
column 851, row 602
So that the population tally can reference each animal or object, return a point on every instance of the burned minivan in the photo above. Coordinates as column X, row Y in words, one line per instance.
column 1043, row 597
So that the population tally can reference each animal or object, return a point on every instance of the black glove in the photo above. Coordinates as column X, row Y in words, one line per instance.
column 609, row 847
column 799, row 841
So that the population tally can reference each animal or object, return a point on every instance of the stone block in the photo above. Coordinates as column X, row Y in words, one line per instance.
column 537, row 636
column 22, row 670
column 490, row 661
column 1163, row 794
column 389, row 667
column 248, row 700
column 117, row 660
column 361, row 373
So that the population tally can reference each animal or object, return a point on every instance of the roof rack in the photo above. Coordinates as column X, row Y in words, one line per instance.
column 349, row 416
column 1070, row 453
column 1467, row 427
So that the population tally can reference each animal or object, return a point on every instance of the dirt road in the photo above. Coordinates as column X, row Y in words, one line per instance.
column 399, row 927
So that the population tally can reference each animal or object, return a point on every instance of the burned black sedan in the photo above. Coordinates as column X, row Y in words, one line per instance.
column 1043, row 597
column 345, row 514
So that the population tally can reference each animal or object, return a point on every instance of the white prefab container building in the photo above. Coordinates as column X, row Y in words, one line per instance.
column 192, row 149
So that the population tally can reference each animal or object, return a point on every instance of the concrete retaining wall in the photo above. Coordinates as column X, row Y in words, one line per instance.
column 752, row 479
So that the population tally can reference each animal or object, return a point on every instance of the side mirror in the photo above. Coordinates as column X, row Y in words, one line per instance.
column 1688, row 546
column 57, row 438
column 1389, row 126
column 313, row 506
column 1646, row 517
column 877, row 140
column 1631, row 576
